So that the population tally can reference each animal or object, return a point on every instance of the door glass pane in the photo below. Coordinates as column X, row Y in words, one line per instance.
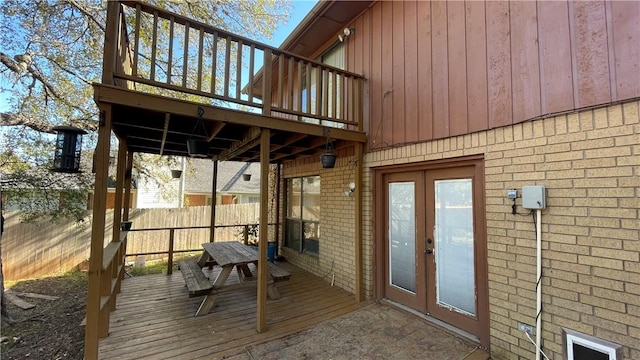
column 455, row 279
column 402, row 230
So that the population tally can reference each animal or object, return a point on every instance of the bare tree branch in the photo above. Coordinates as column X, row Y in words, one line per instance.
column 10, row 63
column 88, row 14
column 7, row 119
column 18, row 119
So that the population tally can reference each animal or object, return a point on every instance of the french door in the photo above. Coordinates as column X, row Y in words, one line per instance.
column 434, row 244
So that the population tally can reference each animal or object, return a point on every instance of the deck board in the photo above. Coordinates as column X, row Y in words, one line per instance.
column 154, row 316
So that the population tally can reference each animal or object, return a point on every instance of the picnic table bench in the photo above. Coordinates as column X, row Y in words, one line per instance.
column 195, row 280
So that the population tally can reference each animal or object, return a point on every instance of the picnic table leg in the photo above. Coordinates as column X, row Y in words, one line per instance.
column 203, row 259
column 272, row 291
column 246, row 272
column 223, row 276
column 206, row 304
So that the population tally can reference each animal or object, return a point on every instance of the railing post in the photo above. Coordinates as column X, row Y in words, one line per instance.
column 170, row 259
column 111, row 39
column 245, row 234
column 266, row 83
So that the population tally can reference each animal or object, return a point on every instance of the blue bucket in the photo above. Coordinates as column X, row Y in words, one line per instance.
column 271, row 251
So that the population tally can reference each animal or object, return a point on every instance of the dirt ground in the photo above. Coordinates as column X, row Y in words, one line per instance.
column 52, row 330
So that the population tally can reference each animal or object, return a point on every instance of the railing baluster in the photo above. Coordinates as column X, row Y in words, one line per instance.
column 308, row 87
column 280, row 95
column 227, row 66
column 134, row 72
column 239, row 69
column 351, row 99
column 300, row 85
column 154, row 44
column 334, row 95
column 358, row 115
column 186, row 54
column 318, row 90
column 170, row 60
column 325, row 93
column 251, row 70
column 290, row 85
column 343, row 97
column 214, row 62
column 200, row 45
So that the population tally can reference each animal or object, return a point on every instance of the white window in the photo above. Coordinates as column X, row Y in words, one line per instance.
column 586, row 347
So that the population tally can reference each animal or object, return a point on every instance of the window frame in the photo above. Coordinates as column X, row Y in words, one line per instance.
column 302, row 244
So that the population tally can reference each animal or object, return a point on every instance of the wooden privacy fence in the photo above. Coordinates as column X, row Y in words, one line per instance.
column 42, row 248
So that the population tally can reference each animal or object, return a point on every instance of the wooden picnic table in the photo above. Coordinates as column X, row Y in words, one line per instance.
column 230, row 255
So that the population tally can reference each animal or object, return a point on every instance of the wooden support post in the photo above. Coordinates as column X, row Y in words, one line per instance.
column 214, row 199
column 261, row 313
column 127, row 186
column 358, row 232
column 96, row 325
column 277, row 210
column 117, row 204
column 172, row 233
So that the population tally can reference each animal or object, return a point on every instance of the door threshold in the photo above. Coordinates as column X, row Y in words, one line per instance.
column 439, row 323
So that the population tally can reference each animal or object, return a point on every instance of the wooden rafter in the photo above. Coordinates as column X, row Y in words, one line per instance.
column 215, row 130
column 251, row 140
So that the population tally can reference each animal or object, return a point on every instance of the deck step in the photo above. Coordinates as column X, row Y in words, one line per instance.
column 196, row 281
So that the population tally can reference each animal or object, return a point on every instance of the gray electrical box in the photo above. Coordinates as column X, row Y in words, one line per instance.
column 533, row 197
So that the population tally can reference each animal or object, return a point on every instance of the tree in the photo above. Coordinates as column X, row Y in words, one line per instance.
column 51, row 53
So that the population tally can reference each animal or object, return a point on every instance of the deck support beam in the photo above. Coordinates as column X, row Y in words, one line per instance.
column 117, row 204
column 261, row 308
column 97, row 325
column 214, row 199
column 358, row 231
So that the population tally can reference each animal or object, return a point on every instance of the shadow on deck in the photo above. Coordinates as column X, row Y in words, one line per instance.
column 155, row 316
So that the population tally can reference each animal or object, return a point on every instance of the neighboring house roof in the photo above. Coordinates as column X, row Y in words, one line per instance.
column 199, row 177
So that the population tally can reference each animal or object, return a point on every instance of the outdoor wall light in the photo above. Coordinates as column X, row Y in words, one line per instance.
column 246, row 177
column 352, row 188
column 345, row 32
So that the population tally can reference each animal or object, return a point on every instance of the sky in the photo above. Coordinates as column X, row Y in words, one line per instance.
column 299, row 10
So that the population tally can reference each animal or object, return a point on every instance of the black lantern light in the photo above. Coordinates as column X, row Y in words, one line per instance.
column 68, row 148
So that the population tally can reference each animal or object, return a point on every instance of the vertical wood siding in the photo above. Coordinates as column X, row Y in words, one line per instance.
column 438, row 69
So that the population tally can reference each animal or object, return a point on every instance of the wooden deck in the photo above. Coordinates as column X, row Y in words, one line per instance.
column 155, row 316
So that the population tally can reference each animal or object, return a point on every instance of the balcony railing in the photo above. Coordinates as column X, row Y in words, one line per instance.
column 156, row 50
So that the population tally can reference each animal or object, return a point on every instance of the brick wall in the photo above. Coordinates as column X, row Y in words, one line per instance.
column 589, row 163
column 337, row 221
